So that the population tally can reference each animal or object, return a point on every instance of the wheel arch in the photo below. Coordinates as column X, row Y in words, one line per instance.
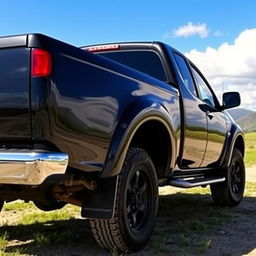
column 235, row 140
column 238, row 143
column 143, row 119
column 154, row 138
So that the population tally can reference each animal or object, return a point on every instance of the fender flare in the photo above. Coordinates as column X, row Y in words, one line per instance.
column 234, row 132
column 135, row 115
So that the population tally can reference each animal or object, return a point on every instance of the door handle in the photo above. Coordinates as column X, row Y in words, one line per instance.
column 209, row 114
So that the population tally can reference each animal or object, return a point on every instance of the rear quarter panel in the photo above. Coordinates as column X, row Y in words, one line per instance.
column 86, row 97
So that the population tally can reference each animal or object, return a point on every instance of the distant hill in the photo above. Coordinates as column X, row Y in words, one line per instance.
column 245, row 118
column 237, row 113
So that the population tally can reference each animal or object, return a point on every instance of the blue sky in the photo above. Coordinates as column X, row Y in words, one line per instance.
column 218, row 36
column 88, row 22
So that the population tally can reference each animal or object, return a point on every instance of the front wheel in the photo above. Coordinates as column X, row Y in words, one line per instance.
column 230, row 193
column 136, row 206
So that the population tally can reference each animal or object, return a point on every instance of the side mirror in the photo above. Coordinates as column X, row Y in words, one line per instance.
column 231, row 100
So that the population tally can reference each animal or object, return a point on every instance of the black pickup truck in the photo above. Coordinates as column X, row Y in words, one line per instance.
column 103, row 126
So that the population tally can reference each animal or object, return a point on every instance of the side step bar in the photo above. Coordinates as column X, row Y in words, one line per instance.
column 195, row 182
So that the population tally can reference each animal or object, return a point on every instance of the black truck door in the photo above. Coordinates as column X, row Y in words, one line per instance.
column 194, row 118
column 216, row 121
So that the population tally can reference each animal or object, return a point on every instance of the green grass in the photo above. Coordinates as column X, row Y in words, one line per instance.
column 42, row 217
column 205, row 245
column 250, row 148
column 19, row 205
column 158, row 246
column 16, row 252
column 187, row 216
column 250, row 189
column 3, row 242
column 4, row 245
column 185, row 219
column 41, row 229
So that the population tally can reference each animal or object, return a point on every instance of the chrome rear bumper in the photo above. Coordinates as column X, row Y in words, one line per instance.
column 25, row 167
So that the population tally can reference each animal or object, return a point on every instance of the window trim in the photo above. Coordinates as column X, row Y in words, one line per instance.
column 187, row 61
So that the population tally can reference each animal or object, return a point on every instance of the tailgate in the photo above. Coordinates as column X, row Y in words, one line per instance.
column 14, row 89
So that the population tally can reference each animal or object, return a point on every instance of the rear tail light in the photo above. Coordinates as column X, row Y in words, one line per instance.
column 41, row 63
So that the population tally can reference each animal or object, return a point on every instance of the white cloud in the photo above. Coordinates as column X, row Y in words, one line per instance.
column 190, row 29
column 231, row 66
column 218, row 33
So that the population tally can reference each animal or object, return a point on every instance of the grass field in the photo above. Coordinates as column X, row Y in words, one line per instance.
column 185, row 219
column 250, row 148
column 190, row 212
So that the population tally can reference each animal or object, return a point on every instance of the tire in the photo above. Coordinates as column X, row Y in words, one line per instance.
column 230, row 193
column 136, row 206
column 1, row 205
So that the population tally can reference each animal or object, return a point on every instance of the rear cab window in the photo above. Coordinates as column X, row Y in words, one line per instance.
column 145, row 61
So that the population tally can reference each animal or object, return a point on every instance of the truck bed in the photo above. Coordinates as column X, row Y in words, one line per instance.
column 76, row 108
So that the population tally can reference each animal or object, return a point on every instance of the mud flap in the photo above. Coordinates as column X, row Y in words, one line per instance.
column 100, row 203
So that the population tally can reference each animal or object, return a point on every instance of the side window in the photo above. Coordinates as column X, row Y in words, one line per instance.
column 185, row 73
column 205, row 93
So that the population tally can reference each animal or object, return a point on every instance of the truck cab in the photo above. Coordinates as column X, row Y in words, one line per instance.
column 204, row 123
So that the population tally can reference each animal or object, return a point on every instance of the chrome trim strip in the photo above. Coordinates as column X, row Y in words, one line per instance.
column 30, row 167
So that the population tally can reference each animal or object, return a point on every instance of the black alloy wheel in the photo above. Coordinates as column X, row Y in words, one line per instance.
column 137, row 201
column 236, row 179
column 230, row 193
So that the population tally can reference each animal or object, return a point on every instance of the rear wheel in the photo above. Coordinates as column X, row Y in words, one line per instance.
column 136, row 206
column 230, row 192
column 1, row 205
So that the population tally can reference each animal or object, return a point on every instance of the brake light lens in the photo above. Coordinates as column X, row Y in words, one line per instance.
column 41, row 63
column 103, row 48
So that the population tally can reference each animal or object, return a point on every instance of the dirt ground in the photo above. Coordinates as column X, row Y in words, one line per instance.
column 235, row 238
column 238, row 237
